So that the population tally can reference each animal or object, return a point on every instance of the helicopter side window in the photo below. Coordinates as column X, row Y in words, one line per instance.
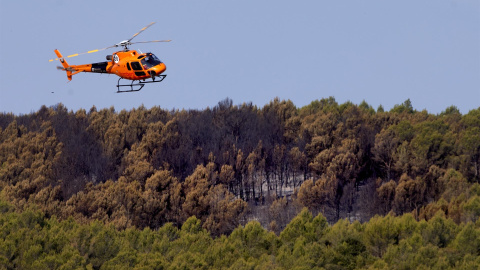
column 128, row 66
column 136, row 66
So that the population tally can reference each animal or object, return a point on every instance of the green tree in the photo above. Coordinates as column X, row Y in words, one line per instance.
column 405, row 107
column 312, row 229
column 440, row 231
column 468, row 240
column 380, row 233
column 472, row 208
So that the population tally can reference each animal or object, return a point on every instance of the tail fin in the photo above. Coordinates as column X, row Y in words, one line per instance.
column 65, row 65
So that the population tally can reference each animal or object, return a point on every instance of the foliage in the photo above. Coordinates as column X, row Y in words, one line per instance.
column 31, row 240
column 153, row 169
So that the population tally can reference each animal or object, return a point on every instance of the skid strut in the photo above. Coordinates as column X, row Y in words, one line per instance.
column 138, row 86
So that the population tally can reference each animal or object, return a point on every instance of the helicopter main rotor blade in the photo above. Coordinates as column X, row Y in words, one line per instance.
column 124, row 44
column 150, row 41
column 77, row 54
column 141, row 30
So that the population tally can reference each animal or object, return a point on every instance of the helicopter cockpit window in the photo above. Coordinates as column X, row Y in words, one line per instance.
column 150, row 61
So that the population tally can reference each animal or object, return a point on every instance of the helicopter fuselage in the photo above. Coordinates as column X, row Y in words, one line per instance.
column 129, row 65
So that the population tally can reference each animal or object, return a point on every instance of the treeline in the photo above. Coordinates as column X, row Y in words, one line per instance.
column 30, row 240
column 233, row 163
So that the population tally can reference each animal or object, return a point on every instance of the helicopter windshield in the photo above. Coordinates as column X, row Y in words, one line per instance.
column 150, row 61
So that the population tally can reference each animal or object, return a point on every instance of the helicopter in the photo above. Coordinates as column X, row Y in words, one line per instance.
column 127, row 64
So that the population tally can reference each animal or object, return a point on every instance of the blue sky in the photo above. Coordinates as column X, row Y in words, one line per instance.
column 383, row 52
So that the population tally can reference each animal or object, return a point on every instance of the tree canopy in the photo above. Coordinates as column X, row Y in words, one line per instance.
column 149, row 170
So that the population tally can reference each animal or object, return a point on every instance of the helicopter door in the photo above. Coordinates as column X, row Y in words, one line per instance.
column 137, row 67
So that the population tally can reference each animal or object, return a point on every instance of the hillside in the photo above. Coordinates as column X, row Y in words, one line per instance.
column 232, row 164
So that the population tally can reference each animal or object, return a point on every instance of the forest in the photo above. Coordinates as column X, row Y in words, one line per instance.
column 327, row 185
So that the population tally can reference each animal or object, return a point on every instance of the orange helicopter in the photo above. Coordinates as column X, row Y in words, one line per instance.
column 127, row 64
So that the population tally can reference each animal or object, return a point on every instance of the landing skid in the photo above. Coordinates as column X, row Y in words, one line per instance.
column 138, row 86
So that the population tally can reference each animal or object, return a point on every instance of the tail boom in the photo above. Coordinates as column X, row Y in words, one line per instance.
column 72, row 69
